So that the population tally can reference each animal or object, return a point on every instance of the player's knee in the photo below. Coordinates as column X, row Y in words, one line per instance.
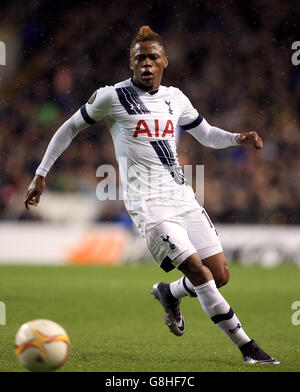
column 222, row 278
column 194, row 270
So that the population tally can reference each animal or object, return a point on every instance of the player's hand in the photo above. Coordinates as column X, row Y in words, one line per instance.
column 35, row 189
column 250, row 138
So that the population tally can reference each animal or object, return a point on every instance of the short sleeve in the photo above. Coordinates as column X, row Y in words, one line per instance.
column 189, row 117
column 98, row 106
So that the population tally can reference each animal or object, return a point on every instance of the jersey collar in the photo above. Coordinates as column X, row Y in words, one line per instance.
column 138, row 85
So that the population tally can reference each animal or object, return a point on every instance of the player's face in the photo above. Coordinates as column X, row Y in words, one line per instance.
column 148, row 61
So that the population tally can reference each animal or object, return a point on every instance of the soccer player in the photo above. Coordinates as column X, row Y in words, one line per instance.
column 142, row 116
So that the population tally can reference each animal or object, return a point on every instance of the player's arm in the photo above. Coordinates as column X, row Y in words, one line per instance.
column 58, row 144
column 214, row 137
column 211, row 136
column 95, row 109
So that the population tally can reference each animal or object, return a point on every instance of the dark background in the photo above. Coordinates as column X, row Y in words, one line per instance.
column 232, row 59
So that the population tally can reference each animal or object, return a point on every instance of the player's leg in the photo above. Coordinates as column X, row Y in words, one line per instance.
column 220, row 312
column 205, row 239
column 218, row 267
column 213, row 303
column 217, row 264
column 199, row 280
column 202, row 284
column 169, row 244
column 162, row 292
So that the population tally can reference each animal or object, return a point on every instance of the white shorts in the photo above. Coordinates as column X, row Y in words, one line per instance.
column 175, row 232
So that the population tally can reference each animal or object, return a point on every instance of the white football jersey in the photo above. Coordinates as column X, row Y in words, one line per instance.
column 143, row 126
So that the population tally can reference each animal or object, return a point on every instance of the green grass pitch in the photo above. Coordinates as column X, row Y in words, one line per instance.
column 115, row 325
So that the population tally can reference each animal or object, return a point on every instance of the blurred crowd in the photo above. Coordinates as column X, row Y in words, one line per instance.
column 232, row 59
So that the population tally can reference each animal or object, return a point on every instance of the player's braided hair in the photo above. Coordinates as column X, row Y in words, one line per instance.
column 145, row 33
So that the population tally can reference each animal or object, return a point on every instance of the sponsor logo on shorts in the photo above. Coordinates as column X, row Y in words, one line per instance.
column 167, row 239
